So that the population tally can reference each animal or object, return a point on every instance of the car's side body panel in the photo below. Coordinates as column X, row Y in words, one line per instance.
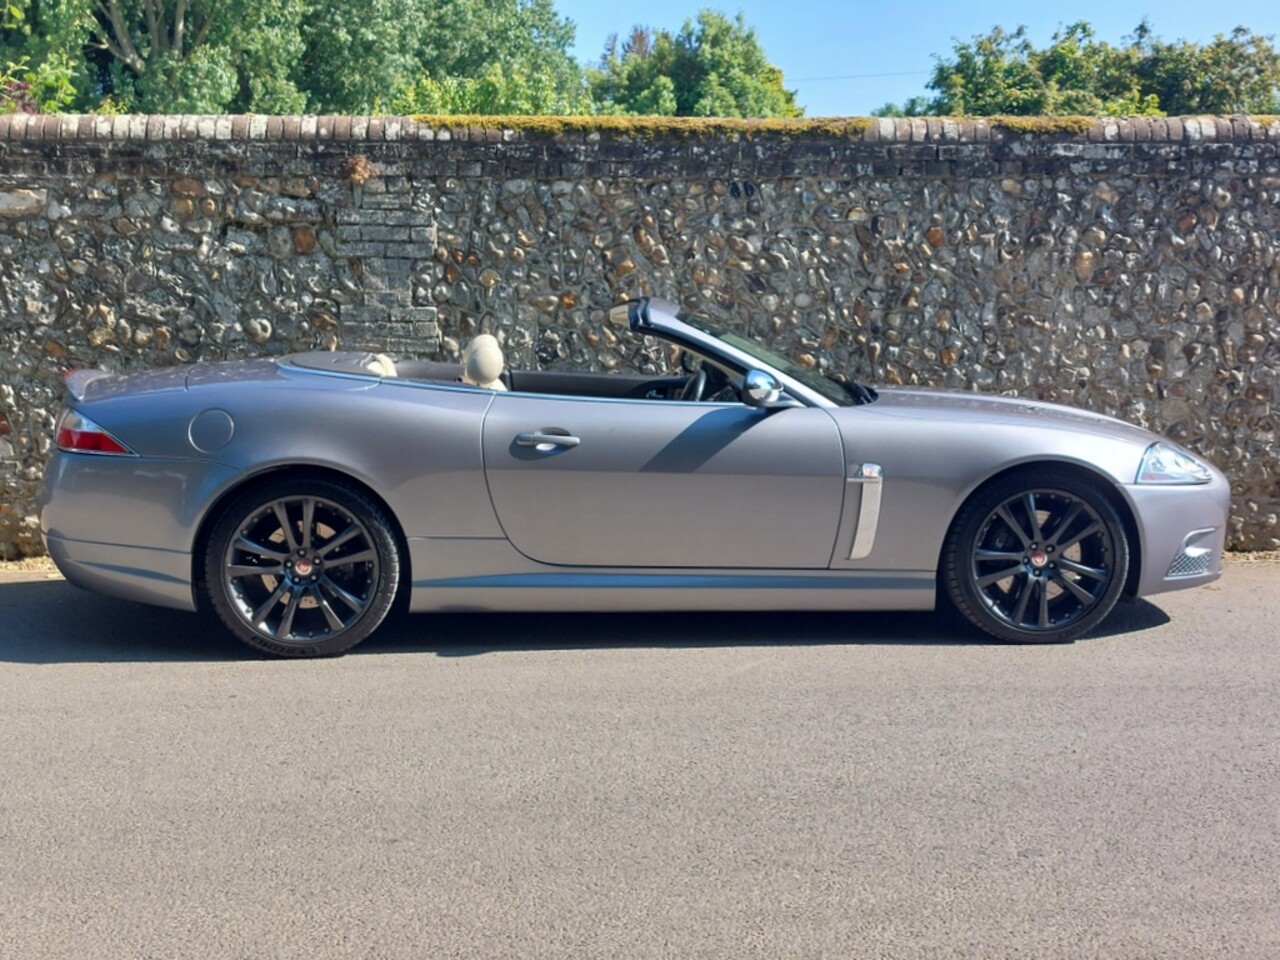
column 636, row 483
column 929, row 467
column 416, row 446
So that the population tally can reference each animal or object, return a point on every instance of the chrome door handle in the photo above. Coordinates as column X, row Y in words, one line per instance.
column 538, row 439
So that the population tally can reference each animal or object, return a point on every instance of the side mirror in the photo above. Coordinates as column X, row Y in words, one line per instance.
column 760, row 389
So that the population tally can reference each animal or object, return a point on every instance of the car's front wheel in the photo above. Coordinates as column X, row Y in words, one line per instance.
column 1036, row 557
column 302, row 567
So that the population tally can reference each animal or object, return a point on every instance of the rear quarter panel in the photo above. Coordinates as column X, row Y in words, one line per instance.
column 416, row 446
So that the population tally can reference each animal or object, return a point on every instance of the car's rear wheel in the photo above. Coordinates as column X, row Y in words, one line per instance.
column 302, row 567
column 1037, row 557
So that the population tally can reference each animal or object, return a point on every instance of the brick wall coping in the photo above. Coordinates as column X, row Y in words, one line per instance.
column 302, row 129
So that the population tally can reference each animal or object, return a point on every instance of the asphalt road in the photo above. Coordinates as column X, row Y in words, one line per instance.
column 642, row 786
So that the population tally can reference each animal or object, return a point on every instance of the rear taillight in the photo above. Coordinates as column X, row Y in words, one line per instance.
column 78, row 434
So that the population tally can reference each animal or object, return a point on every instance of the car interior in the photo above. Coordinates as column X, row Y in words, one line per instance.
column 483, row 365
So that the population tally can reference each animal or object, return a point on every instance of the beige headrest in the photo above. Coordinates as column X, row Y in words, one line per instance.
column 483, row 363
column 381, row 364
column 479, row 340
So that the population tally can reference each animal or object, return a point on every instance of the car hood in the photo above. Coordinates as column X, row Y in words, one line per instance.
column 941, row 406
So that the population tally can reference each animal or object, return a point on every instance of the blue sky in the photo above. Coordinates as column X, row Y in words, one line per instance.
column 847, row 58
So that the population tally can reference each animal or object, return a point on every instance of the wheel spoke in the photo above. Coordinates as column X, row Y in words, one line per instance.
column 999, row 575
column 1079, row 592
column 282, row 516
column 355, row 603
column 249, row 546
column 286, row 621
column 1029, row 504
column 308, row 520
column 1028, row 588
column 334, row 621
column 238, row 570
column 1065, row 525
column 1004, row 514
column 984, row 555
column 339, row 540
column 364, row 556
column 1044, row 604
column 260, row 614
column 1088, row 531
column 1095, row 573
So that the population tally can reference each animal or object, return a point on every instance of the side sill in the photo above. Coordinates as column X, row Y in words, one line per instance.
column 675, row 591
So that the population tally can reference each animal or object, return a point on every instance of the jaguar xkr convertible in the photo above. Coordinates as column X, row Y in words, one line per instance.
column 300, row 497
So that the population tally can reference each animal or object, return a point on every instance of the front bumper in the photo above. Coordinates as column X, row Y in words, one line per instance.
column 1182, row 530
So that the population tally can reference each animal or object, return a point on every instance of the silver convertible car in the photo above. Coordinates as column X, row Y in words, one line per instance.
column 300, row 497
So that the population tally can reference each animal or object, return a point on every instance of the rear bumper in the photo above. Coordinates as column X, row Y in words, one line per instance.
column 143, row 574
column 125, row 526
column 1182, row 531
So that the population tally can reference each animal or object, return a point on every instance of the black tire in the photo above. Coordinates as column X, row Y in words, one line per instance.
column 302, row 567
column 1037, row 557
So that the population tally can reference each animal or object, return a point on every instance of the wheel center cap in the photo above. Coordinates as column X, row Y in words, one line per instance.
column 303, row 568
column 1039, row 559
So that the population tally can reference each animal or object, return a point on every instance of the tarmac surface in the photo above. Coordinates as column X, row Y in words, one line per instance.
column 782, row 785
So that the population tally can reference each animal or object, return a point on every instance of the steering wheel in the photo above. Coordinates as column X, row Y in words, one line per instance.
column 695, row 386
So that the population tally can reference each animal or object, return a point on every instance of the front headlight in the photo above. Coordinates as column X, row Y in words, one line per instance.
column 1164, row 463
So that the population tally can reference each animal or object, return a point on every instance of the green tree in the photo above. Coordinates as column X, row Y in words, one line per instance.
column 1004, row 73
column 1239, row 73
column 714, row 67
column 40, row 67
column 1086, row 77
column 198, row 56
column 494, row 57
column 357, row 55
column 283, row 56
column 46, row 89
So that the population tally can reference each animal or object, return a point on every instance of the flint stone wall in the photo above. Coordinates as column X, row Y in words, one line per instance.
column 1130, row 269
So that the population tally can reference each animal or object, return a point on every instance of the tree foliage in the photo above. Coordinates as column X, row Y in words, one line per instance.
column 336, row 56
column 1004, row 73
column 495, row 57
column 714, row 67
column 357, row 55
column 197, row 56
column 282, row 56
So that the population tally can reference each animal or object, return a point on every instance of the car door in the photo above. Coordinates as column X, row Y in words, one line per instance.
column 652, row 483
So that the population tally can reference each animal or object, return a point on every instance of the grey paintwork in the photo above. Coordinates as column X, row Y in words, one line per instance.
column 661, row 504
column 656, row 484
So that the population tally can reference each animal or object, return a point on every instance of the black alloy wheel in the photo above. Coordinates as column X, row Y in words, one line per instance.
column 302, row 568
column 1036, row 558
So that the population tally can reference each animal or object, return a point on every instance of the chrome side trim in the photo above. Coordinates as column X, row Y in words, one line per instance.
column 871, row 478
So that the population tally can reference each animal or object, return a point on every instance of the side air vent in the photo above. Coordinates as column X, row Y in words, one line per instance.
column 1192, row 560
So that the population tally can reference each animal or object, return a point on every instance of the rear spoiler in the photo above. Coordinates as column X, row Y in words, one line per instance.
column 77, row 381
